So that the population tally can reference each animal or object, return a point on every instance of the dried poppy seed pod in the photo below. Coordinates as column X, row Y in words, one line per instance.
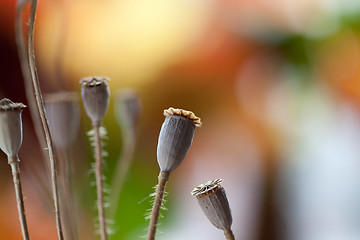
column 175, row 138
column 212, row 199
column 10, row 127
column 63, row 114
column 95, row 96
column 128, row 108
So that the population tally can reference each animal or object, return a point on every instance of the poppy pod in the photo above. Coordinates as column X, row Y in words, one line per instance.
column 63, row 114
column 128, row 108
column 95, row 96
column 175, row 138
column 10, row 127
column 212, row 199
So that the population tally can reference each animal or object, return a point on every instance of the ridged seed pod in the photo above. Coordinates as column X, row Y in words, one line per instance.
column 128, row 108
column 175, row 138
column 95, row 97
column 10, row 127
column 62, row 110
column 212, row 199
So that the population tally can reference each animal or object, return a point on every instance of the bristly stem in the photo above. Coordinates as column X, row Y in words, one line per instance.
column 99, row 181
column 229, row 235
column 41, row 109
column 14, row 163
column 163, row 179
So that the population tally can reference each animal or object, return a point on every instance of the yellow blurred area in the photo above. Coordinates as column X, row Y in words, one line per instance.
column 129, row 41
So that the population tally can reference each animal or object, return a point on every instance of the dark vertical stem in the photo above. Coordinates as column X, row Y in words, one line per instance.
column 99, row 181
column 14, row 163
column 163, row 179
column 269, row 217
column 41, row 109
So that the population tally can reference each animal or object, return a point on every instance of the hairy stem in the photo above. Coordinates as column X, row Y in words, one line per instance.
column 14, row 163
column 229, row 235
column 99, row 181
column 122, row 167
column 41, row 109
column 163, row 179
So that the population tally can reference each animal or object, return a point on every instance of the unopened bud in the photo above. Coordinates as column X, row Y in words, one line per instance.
column 128, row 108
column 62, row 110
column 175, row 138
column 212, row 199
column 10, row 127
column 95, row 97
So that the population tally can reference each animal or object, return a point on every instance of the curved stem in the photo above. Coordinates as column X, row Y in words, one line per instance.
column 229, row 235
column 99, row 181
column 163, row 179
column 14, row 163
column 122, row 168
column 29, row 89
column 44, row 121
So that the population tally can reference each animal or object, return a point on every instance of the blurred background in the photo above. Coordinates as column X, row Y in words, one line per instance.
column 276, row 84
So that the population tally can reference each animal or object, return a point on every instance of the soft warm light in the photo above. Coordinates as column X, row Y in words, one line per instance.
column 128, row 41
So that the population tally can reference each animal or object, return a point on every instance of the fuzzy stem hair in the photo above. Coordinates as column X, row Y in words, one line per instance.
column 14, row 163
column 44, row 122
column 163, row 179
column 99, row 181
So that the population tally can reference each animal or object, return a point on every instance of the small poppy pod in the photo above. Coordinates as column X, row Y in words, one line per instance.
column 128, row 108
column 10, row 127
column 95, row 96
column 63, row 113
column 175, row 138
column 212, row 199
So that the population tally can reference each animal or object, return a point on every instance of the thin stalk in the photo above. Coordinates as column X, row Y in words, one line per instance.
column 67, row 196
column 44, row 122
column 72, row 200
column 122, row 168
column 29, row 89
column 163, row 179
column 99, row 181
column 14, row 163
column 229, row 235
